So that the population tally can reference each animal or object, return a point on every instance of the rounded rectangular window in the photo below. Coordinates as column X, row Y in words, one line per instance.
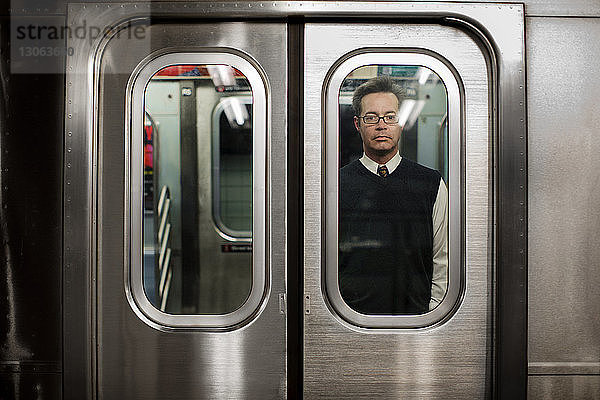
column 393, row 222
column 232, row 166
column 198, row 134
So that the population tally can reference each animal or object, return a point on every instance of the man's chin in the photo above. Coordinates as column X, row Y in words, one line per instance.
column 383, row 151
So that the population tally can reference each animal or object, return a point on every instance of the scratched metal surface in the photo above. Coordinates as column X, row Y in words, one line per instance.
column 447, row 361
column 134, row 359
column 580, row 8
column 564, row 115
column 565, row 387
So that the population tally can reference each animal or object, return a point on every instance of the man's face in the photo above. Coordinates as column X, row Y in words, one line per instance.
column 379, row 139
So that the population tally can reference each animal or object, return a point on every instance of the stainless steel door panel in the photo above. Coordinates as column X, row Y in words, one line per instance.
column 136, row 360
column 450, row 360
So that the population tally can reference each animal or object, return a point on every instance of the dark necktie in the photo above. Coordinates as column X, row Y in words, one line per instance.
column 382, row 171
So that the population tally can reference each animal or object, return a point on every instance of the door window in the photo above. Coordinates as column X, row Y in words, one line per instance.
column 201, row 150
column 391, row 164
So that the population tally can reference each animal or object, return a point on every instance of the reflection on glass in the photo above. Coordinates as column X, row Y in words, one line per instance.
column 232, row 208
column 393, row 201
column 197, row 189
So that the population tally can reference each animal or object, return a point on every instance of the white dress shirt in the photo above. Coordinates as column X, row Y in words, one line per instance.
column 439, row 281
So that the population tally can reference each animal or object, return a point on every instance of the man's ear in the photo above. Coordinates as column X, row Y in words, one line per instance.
column 356, row 123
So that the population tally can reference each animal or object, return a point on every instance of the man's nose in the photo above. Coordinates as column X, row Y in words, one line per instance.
column 380, row 124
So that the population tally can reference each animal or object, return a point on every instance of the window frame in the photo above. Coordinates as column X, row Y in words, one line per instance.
column 135, row 100
column 223, row 230
column 456, row 267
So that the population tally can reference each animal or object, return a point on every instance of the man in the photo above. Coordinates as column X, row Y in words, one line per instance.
column 393, row 256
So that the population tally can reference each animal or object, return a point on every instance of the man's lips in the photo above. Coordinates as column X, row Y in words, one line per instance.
column 382, row 137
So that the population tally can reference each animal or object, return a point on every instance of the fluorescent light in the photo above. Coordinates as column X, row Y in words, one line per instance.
column 235, row 111
column 221, row 75
column 409, row 112
column 415, row 112
column 422, row 75
column 405, row 109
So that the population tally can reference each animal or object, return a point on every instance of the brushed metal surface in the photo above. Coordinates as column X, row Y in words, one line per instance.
column 133, row 359
column 533, row 7
column 451, row 360
column 563, row 388
column 564, row 115
column 248, row 362
column 79, row 251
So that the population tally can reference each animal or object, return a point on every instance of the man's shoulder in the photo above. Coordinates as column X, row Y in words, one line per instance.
column 350, row 169
column 420, row 170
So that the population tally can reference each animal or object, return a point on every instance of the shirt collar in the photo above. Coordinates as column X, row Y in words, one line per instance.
column 371, row 165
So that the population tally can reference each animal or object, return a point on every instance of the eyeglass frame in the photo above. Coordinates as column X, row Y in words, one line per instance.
column 379, row 118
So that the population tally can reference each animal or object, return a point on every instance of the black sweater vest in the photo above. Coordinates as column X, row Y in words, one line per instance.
column 386, row 238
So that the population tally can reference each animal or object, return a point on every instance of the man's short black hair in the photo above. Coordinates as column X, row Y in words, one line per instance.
column 379, row 84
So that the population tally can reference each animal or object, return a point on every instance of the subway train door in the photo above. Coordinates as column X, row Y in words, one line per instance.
column 186, row 210
column 356, row 343
column 207, row 250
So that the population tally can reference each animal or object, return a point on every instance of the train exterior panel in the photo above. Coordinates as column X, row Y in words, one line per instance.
column 170, row 199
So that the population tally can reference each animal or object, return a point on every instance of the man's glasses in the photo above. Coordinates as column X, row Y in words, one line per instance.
column 372, row 119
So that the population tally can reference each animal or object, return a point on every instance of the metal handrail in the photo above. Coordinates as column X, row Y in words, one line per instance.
column 164, row 257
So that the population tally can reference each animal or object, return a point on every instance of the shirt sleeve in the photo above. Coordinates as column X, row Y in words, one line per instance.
column 439, row 281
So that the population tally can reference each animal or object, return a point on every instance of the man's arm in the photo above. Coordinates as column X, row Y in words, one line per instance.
column 439, row 282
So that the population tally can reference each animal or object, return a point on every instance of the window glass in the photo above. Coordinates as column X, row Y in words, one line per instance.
column 393, row 199
column 232, row 161
column 197, row 162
